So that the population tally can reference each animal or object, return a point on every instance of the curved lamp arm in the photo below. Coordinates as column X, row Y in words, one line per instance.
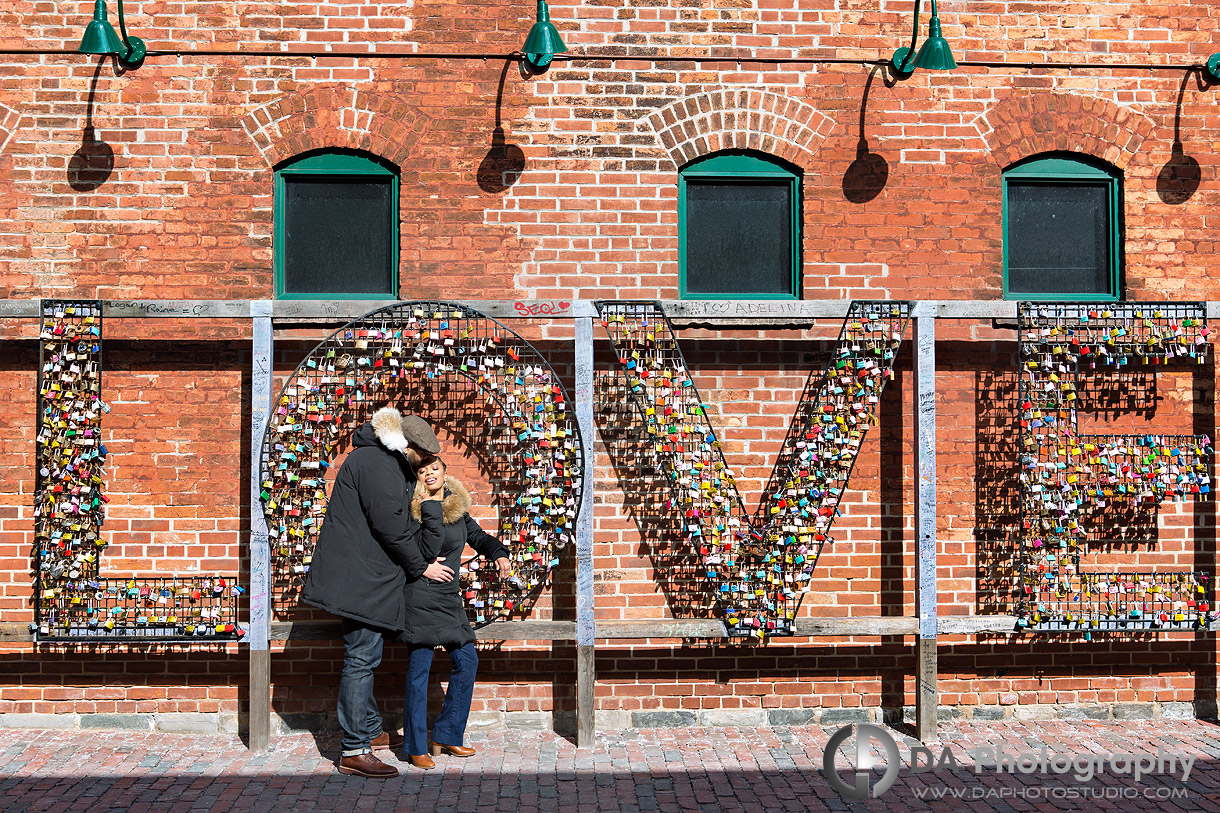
column 902, row 58
column 136, row 48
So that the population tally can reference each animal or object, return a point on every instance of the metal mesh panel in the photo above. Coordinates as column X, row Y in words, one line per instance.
column 1058, row 239
column 337, row 234
column 479, row 380
column 1070, row 482
column 760, row 569
column 73, row 601
column 738, row 238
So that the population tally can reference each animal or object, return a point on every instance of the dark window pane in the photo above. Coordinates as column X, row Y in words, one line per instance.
column 1058, row 238
column 337, row 235
column 738, row 239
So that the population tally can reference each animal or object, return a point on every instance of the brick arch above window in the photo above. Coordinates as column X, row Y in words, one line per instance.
column 334, row 117
column 740, row 119
column 1062, row 122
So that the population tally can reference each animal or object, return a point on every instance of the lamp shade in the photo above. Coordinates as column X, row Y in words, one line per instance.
column 934, row 54
column 543, row 41
column 100, row 36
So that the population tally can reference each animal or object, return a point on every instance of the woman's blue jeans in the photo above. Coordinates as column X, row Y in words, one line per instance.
column 450, row 725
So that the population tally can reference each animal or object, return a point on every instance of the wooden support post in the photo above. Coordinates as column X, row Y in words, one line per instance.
column 926, row 695
column 585, row 670
column 259, row 633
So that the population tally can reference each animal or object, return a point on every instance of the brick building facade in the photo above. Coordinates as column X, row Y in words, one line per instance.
column 159, row 183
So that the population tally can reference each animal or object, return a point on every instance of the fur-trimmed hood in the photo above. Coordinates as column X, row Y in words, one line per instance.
column 387, row 425
column 454, row 506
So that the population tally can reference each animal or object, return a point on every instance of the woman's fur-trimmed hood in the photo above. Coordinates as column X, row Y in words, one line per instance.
column 455, row 505
column 387, row 424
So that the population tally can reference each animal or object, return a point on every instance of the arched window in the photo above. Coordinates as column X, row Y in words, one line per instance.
column 1062, row 228
column 739, row 220
column 336, row 227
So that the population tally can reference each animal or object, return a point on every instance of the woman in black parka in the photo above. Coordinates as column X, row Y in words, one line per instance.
column 436, row 615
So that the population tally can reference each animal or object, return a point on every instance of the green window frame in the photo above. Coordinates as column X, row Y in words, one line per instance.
column 746, row 169
column 334, row 165
column 1083, row 173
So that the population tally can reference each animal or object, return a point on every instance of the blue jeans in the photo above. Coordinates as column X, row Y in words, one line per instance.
column 358, row 715
column 450, row 725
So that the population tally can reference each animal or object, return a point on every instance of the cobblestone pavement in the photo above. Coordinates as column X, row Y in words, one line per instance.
column 680, row 769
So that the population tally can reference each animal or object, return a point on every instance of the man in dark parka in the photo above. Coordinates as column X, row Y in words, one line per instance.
column 368, row 545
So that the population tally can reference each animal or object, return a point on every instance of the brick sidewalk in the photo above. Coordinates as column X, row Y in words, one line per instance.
column 680, row 769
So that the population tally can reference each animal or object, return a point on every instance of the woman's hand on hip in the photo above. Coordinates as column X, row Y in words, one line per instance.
column 437, row 572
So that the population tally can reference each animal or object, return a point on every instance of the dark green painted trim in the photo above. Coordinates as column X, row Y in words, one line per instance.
column 1070, row 168
column 742, row 167
column 736, row 163
column 337, row 163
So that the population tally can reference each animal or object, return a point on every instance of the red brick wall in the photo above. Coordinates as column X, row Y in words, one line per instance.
column 169, row 196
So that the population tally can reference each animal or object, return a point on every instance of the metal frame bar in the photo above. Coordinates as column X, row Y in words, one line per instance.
column 585, row 667
column 751, row 311
column 667, row 628
column 926, row 695
column 259, row 634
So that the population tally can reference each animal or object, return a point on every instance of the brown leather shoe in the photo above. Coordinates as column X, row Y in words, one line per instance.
column 387, row 740
column 366, row 765
column 421, row 761
column 453, row 750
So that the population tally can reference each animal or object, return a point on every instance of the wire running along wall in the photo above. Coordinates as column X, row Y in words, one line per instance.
column 73, row 601
column 478, row 381
column 1071, row 483
column 758, row 570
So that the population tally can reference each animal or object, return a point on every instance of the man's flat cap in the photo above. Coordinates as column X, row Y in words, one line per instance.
column 421, row 437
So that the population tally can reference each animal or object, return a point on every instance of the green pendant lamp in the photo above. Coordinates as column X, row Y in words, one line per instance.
column 543, row 41
column 934, row 54
column 100, row 38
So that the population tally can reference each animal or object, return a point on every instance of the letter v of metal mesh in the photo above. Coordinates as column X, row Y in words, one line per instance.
column 757, row 568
